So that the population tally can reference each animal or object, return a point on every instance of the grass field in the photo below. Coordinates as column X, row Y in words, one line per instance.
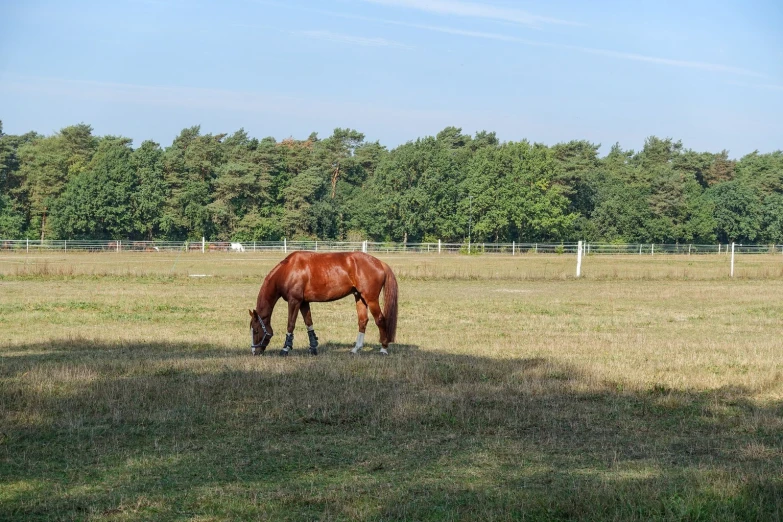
column 651, row 388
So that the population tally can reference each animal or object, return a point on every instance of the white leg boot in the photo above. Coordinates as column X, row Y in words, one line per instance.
column 359, row 343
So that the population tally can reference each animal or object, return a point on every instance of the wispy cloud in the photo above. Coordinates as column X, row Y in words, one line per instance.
column 351, row 39
column 620, row 55
column 705, row 66
column 671, row 62
column 201, row 99
column 475, row 10
column 764, row 86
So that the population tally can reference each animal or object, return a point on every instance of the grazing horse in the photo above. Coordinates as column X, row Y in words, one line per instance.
column 306, row 277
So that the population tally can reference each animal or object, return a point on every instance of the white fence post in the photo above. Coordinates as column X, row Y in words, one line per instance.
column 203, row 244
column 285, row 246
column 438, row 246
column 28, row 245
column 513, row 247
column 732, row 260
column 316, row 245
column 66, row 245
column 652, row 249
column 579, row 259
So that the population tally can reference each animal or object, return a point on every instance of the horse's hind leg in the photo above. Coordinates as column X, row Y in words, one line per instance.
column 361, row 311
column 308, row 319
column 380, row 321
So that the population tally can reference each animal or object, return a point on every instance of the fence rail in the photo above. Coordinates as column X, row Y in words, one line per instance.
column 28, row 245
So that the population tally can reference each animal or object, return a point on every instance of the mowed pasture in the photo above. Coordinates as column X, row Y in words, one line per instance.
column 651, row 388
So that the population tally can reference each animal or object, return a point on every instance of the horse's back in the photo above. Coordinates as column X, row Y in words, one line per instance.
column 332, row 275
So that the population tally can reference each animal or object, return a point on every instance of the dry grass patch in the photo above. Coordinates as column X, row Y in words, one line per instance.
column 134, row 397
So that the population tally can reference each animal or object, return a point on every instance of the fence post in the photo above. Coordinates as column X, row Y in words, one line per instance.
column 316, row 245
column 364, row 246
column 66, row 245
column 513, row 247
column 118, row 245
column 579, row 259
column 536, row 248
column 203, row 244
column 28, row 245
column 285, row 246
column 254, row 246
column 732, row 260
column 438, row 246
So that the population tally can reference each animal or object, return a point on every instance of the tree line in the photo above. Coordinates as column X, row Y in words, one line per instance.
column 75, row 185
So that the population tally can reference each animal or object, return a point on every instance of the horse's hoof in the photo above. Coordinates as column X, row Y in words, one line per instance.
column 283, row 353
column 383, row 352
column 313, row 351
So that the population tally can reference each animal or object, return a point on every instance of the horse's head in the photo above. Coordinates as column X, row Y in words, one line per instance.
column 260, row 333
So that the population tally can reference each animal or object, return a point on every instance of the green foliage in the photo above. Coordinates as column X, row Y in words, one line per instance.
column 47, row 164
column 151, row 190
column 772, row 218
column 97, row 202
column 449, row 186
column 11, row 222
column 738, row 211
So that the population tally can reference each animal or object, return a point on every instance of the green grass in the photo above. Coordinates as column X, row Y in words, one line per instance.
column 127, row 392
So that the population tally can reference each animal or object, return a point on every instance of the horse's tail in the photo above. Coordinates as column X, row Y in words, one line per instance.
column 390, row 303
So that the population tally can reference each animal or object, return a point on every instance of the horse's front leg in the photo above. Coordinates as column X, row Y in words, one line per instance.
column 293, row 311
column 308, row 319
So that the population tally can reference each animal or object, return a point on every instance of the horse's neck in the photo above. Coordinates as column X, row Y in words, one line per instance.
column 267, row 297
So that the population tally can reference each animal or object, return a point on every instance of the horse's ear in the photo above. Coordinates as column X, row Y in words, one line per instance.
column 251, row 312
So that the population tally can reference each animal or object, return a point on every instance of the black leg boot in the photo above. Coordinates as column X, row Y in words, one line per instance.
column 313, row 342
column 288, row 345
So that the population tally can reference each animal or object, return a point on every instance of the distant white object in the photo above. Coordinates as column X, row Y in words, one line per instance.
column 237, row 247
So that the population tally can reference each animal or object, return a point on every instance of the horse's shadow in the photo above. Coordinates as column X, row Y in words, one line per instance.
column 335, row 347
column 438, row 422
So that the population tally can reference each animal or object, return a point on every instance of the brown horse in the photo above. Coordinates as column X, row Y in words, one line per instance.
column 306, row 277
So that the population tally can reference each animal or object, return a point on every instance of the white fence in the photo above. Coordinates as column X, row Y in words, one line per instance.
column 203, row 246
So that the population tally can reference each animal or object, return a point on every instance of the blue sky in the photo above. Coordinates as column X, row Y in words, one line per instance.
column 709, row 73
